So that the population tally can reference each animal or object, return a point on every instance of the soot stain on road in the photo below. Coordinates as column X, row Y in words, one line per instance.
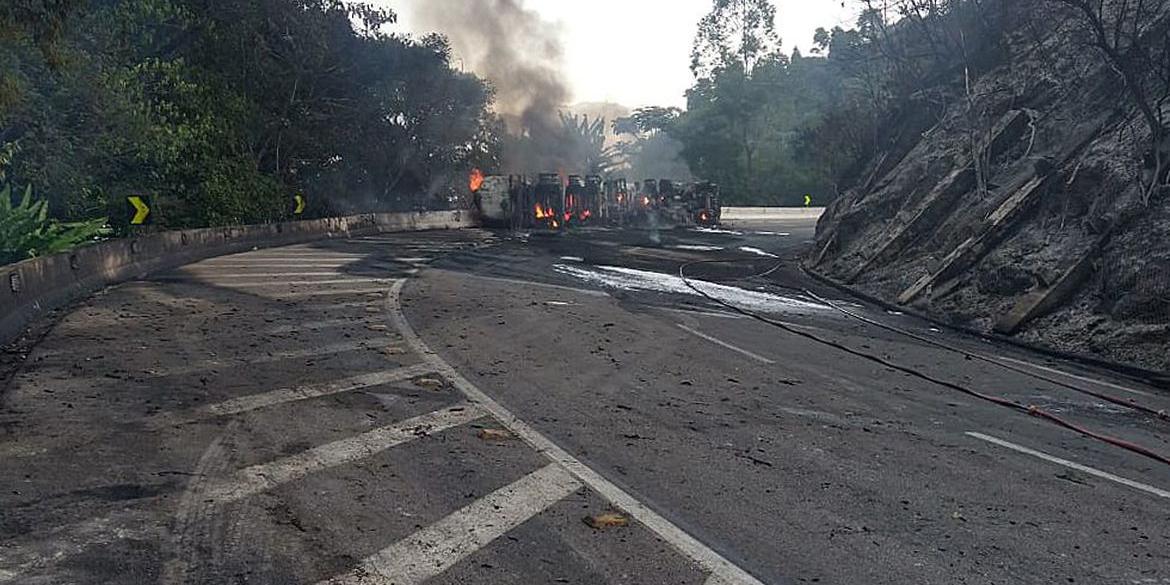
column 807, row 465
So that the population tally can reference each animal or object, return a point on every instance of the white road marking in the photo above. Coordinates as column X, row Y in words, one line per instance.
column 263, row 477
column 276, row 283
column 699, row 313
column 582, row 291
column 286, row 395
column 721, row 343
column 327, row 305
column 1073, row 376
column 438, row 547
column 757, row 252
column 686, row 544
column 212, row 275
column 366, row 344
column 1072, row 465
column 271, row 265
column 330, row 293
column 720, row 578
column 252, row 256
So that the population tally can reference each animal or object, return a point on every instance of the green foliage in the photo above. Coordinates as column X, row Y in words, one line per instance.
column 26, row 230
column 586, row 139
column 736, row 33
column 749, row 110
column 648, row 148
column 770, row 129
column 219, row 110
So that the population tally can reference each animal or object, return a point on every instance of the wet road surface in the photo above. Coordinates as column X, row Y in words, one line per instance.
column 477, row 407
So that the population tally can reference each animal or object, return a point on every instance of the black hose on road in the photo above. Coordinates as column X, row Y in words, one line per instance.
column 1031, row 410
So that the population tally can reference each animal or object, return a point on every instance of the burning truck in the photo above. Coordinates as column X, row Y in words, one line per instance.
column 518, row 202
column 554, row 201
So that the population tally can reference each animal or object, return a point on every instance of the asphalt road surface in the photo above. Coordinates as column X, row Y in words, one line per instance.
column 478, row 407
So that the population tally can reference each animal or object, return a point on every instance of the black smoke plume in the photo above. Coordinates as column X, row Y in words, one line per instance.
column 521, row 55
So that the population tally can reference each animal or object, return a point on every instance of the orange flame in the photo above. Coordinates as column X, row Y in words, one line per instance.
column 475, row 181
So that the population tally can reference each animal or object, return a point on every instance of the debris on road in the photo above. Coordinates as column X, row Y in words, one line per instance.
column 495, row 435
column 607, row 520
column 434, row 384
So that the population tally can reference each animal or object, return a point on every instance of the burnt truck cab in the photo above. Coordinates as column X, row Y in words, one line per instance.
column 648, row 197
column 705, row 205
column 594, row 187
column 549, row 201
column 576, row 208
column 494, row 199
column 668, row 195
column 617, row 200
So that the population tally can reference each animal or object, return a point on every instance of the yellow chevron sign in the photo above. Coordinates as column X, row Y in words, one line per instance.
column 141, row 210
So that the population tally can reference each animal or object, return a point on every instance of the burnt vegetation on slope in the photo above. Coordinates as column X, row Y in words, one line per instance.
column 1018, row 174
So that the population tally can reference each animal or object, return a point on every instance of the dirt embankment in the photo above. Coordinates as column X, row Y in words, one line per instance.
column 1055, row 244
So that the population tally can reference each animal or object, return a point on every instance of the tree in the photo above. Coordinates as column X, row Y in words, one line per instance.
column 649, row 148
column 739, row 33
column 1123, row 32
column 584, row 141
column 221, row 108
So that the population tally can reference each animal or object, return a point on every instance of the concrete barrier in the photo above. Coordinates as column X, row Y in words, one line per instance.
column 771, row 213
column 32, row 287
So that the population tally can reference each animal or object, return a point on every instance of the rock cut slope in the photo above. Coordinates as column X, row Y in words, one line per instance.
column 1056, row 245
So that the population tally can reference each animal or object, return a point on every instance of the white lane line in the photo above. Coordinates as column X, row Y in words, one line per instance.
column 699, row 313
column 276, row 283
column 721, row 343
column 1073, row 376
column 212, row 275
column 1072, row 465
column 438, row 547
column 686, row 544
column 286, row 395
column 719, row 578
column 263, row 477
column 327, row 305
column 262, row 264
column 581, row 291
column 250, row 257
column 381, row 292
column 319, row 351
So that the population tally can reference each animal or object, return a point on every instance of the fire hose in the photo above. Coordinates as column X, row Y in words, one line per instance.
column 1030, row 410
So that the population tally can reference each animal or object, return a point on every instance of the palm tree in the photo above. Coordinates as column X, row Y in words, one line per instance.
column 585, row 140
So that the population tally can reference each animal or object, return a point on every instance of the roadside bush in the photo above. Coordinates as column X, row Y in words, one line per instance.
column 26, row 230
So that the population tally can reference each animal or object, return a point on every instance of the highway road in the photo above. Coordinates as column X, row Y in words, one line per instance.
column 487, row 407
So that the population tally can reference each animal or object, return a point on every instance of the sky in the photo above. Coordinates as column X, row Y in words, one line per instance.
column 642, row 58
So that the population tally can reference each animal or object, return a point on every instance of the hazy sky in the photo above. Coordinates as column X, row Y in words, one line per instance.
column 637, row 52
